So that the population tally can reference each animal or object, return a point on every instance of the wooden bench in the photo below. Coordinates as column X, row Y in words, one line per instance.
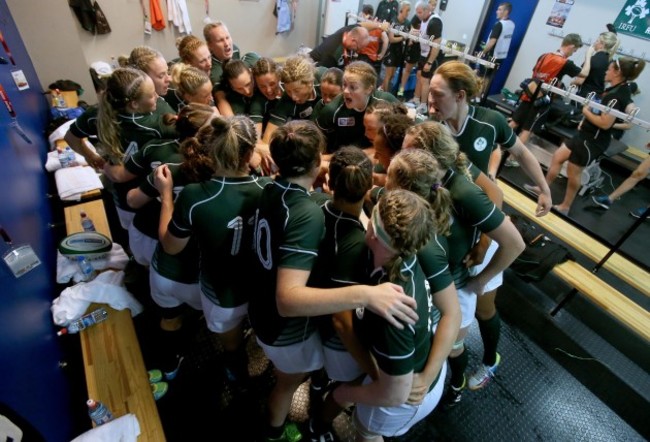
column 91, row 194
column 113, row 363
column 637, row 154
column 618, row 265
column 583, row 280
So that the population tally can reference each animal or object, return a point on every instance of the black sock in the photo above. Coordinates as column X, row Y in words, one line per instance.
column 317, row 426
column 274, row 432
column 236, row 362
column 172, row 348
column 490, row 331
column 319, row 380
column 458, row 366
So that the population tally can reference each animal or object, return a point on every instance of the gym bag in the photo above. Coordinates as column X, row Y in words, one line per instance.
column 541, row 253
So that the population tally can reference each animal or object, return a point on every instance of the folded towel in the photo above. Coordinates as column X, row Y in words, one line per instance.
column 52, row 162
column 106, row 288
column 68, row 269
column 124, row 429
column 72, row 182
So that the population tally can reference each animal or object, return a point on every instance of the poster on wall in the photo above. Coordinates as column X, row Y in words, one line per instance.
column 634, row 19
column 559, row 13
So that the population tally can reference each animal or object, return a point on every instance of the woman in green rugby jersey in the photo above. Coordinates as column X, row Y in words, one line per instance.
column 218, row 214
column 401, row 224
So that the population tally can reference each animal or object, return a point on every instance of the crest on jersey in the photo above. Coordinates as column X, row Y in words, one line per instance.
column 480, row 144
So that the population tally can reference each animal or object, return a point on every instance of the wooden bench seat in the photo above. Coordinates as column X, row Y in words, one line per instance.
column 619, row 306
column 91, row 194
column 638, row 154
column 606, row 297
column 113, row 363
column 618, row 265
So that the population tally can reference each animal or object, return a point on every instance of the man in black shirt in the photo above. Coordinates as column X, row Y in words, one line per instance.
column 387, row 10
column 340, row 48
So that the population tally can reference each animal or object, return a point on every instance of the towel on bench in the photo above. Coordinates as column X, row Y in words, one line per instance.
column 106, row 288
column 53, row 164
column 68, row 269
column 72, row 182
column 124, row 429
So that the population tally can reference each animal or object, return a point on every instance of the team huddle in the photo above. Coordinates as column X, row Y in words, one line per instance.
column 296, row 196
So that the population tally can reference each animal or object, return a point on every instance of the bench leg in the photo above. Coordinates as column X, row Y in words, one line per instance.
column 568, row 297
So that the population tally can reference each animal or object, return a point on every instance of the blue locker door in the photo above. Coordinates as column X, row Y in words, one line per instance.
column 31, row 382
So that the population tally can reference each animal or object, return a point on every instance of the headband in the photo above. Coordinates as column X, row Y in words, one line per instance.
column 380, row 231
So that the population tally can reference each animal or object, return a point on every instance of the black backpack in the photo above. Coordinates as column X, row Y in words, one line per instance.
column 541, row 253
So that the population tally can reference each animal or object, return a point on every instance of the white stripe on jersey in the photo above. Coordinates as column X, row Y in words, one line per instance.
column 291, row 249
column 132, row 118
column 485, row 219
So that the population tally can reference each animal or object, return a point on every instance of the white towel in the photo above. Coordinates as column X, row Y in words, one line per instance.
column 72, row 182
column 68, row 269
column 59, row 133
column 52, row 162
column 106, row 288
column 177, row 14
column 123, row 429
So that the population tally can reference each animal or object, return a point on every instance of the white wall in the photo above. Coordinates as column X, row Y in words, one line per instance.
column 587, row 18
column 52, row 42
column 60, row 48
column 461, row 19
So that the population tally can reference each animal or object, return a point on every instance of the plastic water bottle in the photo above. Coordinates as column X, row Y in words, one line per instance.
column 64, row 158
column 67, row 157
column 98, row 412
column 58, row 100
column 86, row 267
column 85, row 321
column 72, row 159
column 86, row 223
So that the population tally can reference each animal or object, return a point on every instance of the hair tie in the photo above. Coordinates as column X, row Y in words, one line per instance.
column 435, row 187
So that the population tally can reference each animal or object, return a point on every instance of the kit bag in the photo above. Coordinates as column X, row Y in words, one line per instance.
column 101, row 23
column 547, row 68
column 541, row 253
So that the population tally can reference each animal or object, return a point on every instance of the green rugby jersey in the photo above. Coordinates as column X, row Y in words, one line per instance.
column 343, row 259
column 473, row 213
column 344, row 126
column 287, row 109
column 261, row 107
column 216, row 71
column 184, row 266
column 289, row 229
column 481, row 132
column 399, row 352
column 219, row 214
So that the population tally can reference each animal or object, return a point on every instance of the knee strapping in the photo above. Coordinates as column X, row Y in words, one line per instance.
column 458, row 345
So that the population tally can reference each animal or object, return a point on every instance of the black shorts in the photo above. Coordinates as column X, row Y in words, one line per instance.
column 421, row 64
column 412, row 54
column 583, row 150
column 375, row 64
column 529, row 117
column 395, row 57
